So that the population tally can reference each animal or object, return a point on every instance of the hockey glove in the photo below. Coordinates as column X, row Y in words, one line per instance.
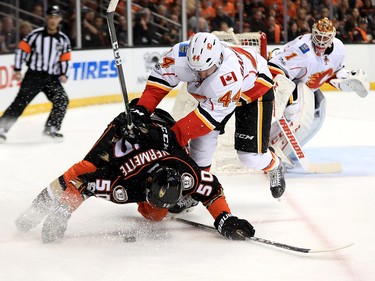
column 233, row 228
column 140, row 117
column 157, row 137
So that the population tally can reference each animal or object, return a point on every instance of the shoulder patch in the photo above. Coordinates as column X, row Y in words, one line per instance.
column 182, row 49
column 304, row 48
column 187, row 181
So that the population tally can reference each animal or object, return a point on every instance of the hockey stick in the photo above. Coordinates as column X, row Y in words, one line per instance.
column 330, row 167
column 265, row 241
column 116, row 52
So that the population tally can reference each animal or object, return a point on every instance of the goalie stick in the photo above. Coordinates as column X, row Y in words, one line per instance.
column 310, row 167
column 116, row 52
column 265, row 241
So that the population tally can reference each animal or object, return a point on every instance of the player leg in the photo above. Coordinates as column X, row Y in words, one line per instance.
column 253, row 123
column 203, row 148
column 57, row 95
column 28, row 90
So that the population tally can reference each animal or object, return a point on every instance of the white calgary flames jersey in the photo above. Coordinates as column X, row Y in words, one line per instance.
column 299, row 62
column 242, row 74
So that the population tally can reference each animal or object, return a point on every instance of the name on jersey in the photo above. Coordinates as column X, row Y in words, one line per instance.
column 141, row 159
column 304, row 48
column 228, row 78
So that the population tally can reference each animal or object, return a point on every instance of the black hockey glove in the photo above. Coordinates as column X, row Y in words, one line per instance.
column 140, row 118
column 233, row 228
column 157, row 137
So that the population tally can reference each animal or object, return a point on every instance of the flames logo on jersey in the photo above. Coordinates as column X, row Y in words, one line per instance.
column 317, row 79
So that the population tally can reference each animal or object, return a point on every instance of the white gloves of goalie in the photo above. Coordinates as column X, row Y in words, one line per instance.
column 352, row 81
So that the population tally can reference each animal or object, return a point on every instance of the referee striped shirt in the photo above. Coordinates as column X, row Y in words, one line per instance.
column 44, row 52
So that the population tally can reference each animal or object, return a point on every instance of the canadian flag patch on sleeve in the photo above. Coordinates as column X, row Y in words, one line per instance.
column 228, row 78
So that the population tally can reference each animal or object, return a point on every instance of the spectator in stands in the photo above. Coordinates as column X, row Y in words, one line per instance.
column 352, row 20
column 202, row 25
column 90, row 37
column 341, row 32
column 229, row 8
column 302, row 21
column 38, row 18
column 293, row 31
column 122, row 31
column 143, row 31
column 257, row 23
column 3, row 47
column 207, row 11
column 10, row 33
column 25, row 28
column 221, row 17
column 102, row 29
column 360, row 32
column 367, row 11
column 273, row 31
column 342, row 9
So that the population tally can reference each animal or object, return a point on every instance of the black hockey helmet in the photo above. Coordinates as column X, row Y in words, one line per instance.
column 54, row 11
column 165, row 189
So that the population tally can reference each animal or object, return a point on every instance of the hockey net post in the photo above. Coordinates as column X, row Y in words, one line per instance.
column 225, row 159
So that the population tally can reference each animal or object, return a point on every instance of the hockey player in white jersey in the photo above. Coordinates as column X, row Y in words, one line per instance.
column 310, row 60
column 224, row 79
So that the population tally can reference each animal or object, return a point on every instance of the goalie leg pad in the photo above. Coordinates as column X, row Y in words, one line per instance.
column 319, row 117
column 301, row 123
column 283, row 89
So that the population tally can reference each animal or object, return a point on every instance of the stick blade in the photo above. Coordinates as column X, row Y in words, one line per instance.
column 321, row 168
column 112, row 6
column 316, row 251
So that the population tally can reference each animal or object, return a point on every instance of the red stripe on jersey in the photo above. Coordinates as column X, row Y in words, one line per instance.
column 190, row 127
column 275, row 71
column 259, row 89
column 151, row 97
column 247, row 54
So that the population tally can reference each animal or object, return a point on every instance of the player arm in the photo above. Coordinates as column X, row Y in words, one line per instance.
column 210, row 193
column 155, row 90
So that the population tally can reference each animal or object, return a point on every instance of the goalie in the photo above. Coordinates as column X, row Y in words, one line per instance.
column 299, row 69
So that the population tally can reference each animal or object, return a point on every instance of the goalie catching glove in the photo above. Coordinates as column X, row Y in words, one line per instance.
column 233, row 228
column 353, row 81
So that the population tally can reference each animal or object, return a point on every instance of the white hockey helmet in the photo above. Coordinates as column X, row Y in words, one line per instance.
column 323, row 33
column 205, row 51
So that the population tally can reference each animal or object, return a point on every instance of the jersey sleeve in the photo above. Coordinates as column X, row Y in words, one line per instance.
column 161, row 81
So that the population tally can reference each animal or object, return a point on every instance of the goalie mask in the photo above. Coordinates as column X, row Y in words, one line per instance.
column 323, row 33
column 165, row 189
column 205, row 51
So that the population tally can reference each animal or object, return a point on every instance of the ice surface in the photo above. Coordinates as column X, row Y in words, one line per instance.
column 317, row 211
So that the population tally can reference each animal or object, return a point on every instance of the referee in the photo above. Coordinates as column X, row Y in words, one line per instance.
column 47, row 52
